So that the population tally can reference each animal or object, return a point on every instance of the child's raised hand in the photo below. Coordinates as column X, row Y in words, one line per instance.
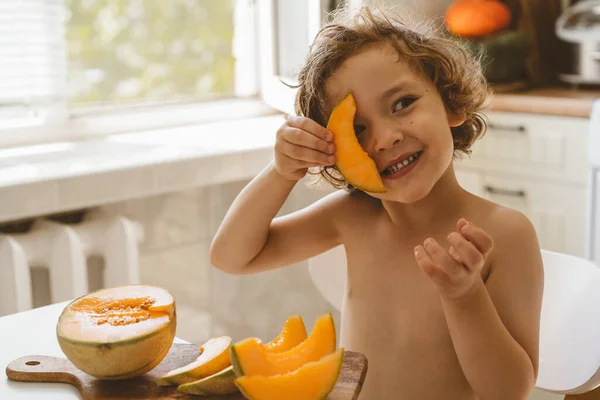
column 456, row 270
column 302, row 143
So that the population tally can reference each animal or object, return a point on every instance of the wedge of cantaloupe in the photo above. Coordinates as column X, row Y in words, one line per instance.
column 250, row 358
column 291, row 366
column 214, row 358
column 292, row 334
column 312, row 381
column 212, row 373
column 308, row 371
column 352, row 161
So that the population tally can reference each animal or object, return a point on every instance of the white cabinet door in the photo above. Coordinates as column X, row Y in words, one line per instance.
column 532, row 147
column 556, row 210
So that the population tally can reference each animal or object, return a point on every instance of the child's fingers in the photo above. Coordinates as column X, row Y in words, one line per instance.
column 467, row 252
column 442, row 258
column 311, row 126
column 426, row 263
column 298, row 164
column 456, row 256
column 460, row 223
column 482, row 241
column 302, row 138
column 306, row 155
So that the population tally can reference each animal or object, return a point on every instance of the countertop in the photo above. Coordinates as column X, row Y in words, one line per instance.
column 33, row 332
column 59, row 177
column 561, row 101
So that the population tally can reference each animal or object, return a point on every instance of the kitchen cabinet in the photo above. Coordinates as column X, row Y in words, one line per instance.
column 535, row 164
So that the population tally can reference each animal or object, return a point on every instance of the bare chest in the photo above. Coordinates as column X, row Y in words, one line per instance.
column 386, row 288
column 393, row 314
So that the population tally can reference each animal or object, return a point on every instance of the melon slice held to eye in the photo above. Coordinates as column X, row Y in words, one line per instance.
column 119, row 332
column 353, row 163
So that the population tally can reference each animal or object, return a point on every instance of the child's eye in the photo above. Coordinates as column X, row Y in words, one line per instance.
column 358, row 129
column 403, row 103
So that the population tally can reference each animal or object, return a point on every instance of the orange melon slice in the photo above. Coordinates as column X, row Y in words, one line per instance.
column 117, row 332
column 214, row 358
column 292, row 334
column 312, row 381
column 352, row 161
column 249, row 356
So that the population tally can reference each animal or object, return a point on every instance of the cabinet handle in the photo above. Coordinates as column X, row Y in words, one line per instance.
column 504, row 192
column 513, row 128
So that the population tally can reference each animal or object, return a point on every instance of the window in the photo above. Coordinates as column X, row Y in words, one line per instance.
column 32, row 66
column 128, row 51
column 287, row 29
column 72, row 68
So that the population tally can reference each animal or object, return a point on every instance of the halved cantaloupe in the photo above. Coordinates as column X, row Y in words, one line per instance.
column 217, row 384
column 249, row 357
column 214, row 358
column 292, row 334
column 119, row 332
column 352, row 161
column 312, row 381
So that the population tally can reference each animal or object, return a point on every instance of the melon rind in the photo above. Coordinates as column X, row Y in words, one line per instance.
column 218, row 384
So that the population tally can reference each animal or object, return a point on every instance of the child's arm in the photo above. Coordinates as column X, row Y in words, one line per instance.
column 494, row 326
column 249, row 238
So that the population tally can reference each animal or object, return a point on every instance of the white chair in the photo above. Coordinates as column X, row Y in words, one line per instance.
column 570, row 319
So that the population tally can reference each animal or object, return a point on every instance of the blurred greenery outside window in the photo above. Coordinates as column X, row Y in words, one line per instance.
column 75, row 69
column 147, row 51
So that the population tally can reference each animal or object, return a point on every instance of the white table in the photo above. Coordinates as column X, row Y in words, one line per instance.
column 33, row 332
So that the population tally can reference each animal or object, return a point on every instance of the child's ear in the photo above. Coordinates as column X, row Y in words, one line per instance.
column 455, row 120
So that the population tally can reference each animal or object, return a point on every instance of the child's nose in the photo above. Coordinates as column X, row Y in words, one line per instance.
column 385, row 140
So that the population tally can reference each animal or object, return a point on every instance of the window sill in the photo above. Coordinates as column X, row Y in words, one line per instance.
column 70, row 175
column 93, row 123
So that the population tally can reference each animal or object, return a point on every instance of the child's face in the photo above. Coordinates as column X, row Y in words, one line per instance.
column 399, row 114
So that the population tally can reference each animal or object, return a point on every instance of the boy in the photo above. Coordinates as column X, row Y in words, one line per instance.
column 444, row 288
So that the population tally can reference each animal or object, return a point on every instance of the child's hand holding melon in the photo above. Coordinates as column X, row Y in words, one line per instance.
column 302, row 143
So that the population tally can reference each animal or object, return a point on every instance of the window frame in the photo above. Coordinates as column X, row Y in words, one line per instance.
column 273, row 91
column 57, row 122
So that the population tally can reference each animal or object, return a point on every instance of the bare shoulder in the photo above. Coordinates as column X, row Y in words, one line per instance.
column 506, row 226
column 509, row 227
column 515, row 241
column 513, row 233
column 516, row 249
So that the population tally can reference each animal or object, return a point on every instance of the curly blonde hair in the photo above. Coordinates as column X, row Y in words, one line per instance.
column 453, row 69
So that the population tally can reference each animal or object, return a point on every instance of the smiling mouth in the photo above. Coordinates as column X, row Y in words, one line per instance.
column 401, row 164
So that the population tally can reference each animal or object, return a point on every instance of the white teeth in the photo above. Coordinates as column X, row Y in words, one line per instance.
column 401, row 164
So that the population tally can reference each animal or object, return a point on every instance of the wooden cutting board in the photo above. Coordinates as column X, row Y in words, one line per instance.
column 39, row 368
